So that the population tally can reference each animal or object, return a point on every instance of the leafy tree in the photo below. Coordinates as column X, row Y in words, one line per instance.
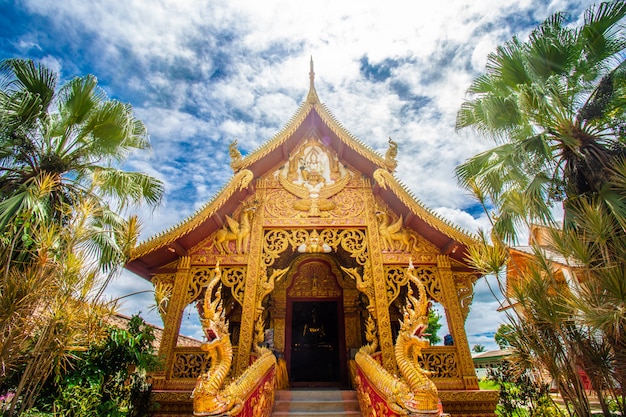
column 554, row 105
column 478, row 348
column 109, row 379
column 434, row 325
column 70, row 137
column 62, row 231
column 501, row 335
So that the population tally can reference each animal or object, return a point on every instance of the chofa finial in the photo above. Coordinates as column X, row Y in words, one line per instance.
column 312, row 96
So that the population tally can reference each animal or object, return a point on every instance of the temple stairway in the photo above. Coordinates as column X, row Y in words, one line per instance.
column 316, row 403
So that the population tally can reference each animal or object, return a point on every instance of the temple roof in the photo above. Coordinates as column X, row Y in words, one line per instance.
column 312, row 116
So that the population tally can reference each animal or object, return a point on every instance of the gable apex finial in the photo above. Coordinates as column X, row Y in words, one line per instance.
column 312, row 96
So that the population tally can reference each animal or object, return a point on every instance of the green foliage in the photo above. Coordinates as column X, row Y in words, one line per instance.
column 63, row 235
column 554, row 106
column 433, row 327
column 501, row 335
column 478, row 348
column 110, row 378
column 521, row 394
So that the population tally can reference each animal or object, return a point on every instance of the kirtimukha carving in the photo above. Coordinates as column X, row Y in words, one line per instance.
column 239, row 232
column 314, row 244
column 394, row 236
column 209, row 398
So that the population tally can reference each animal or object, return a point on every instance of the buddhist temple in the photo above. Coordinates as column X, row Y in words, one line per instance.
column 316, row 253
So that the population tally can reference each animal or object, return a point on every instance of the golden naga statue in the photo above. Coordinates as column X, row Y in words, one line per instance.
column 394, row 236
column 209, row 397
column 413, row 392
column 236, row 231
column 410, row 343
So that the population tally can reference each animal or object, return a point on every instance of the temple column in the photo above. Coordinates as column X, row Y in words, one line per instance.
column 174, row 315
column 254, row 270
column 377, row 274
column 454, row 312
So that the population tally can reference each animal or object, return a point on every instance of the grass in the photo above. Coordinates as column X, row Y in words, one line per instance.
column 488, row 385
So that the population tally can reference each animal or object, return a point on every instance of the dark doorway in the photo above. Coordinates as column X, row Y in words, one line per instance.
column 315, row 348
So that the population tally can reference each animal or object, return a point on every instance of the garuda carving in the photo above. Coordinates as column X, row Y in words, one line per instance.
column 239, row 232
column 314, row 195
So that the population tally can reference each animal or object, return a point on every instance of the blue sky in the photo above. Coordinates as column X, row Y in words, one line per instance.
column 203, row 73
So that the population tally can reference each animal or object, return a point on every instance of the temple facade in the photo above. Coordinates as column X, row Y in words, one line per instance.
column 312, row 238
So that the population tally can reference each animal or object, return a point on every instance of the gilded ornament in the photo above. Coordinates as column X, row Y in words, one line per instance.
column 364, row 284
column 266, row 286
column 390, row 156
column 163, row 289
column 209, row 396
column 235, row 156
column 314, row 244
column 239, row 232
column 414, row 392
column 314, row 175
column 393, row 235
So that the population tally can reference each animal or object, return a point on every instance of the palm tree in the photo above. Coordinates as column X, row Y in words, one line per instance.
column 62, row 230
column 555, row 107
column 74, row 136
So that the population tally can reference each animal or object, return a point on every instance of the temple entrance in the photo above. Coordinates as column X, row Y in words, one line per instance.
column 314, row 344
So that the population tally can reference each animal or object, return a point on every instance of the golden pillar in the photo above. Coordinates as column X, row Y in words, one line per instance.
column 174, row 315
column 254, row 270
column 377, row 274
column 453, row 308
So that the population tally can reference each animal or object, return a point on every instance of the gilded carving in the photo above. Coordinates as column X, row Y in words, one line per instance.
column 313, row 174
column 390, row 156
column 276, row 241
column 235, row 156
column 364, row 284
column 189, row 365
column 464, row 291
column 234, row 277
column 393, row 235
column 209, row 395
column 440, row 364
column 200, row 278
column 396, row 279
column 322, row 283
column 456, row 319
column 414, row 392
column 314, row 244
column 266, row 286
column 411, row 342
column 163, row 289
column 236, row 231
column 428, row 276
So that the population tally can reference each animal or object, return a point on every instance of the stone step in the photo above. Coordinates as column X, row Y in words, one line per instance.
column 316, row 403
